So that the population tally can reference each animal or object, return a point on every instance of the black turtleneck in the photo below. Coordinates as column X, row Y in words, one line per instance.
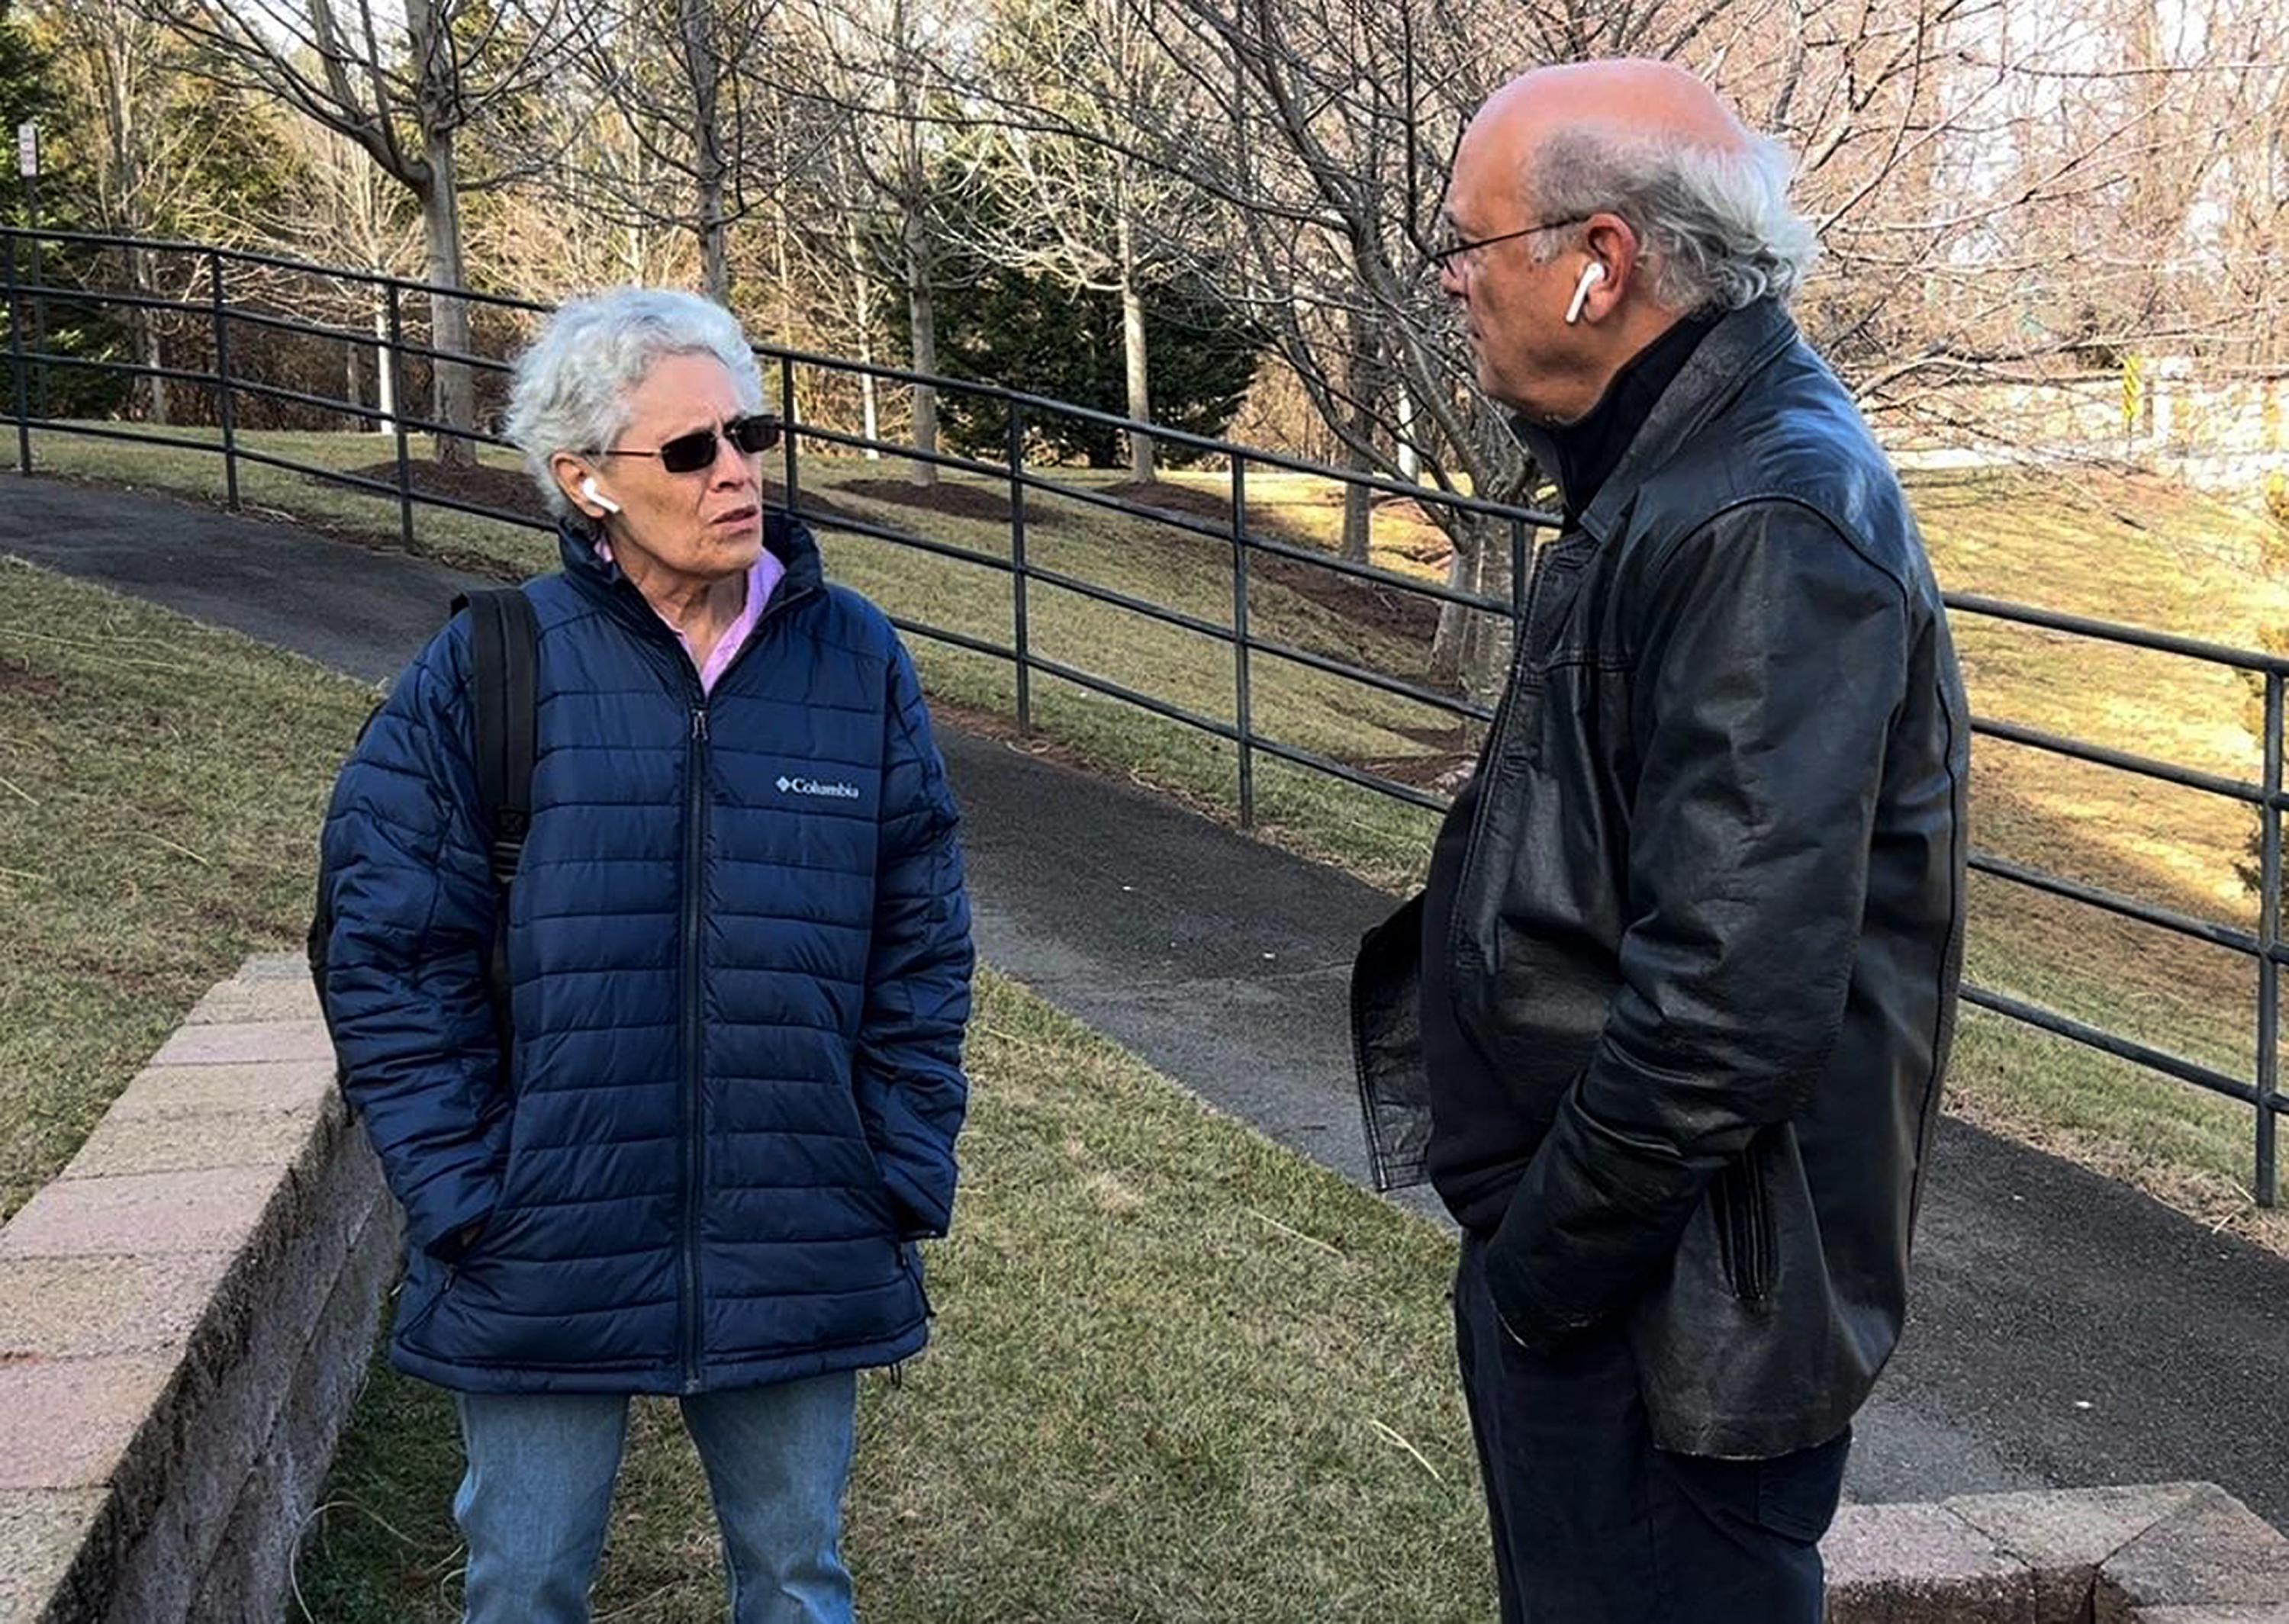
column 1591, row 448
column 1480, row 1141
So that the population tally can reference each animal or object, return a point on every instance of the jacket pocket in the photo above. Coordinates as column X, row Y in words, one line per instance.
column 910, row 1264
column 431, row 1280
column 1744, row 1230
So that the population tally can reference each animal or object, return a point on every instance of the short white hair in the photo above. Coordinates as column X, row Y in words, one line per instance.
column 571, row 388
column 1715, row 222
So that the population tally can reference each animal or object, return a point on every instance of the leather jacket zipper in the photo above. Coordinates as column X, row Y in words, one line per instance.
column 1745, row 1229
column 1537, row 571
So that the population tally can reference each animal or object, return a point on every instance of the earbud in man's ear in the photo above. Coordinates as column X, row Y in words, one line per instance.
column 588, row 489
column 1591, row 275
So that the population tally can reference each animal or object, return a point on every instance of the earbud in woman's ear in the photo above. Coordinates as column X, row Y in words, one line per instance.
column 588, row 489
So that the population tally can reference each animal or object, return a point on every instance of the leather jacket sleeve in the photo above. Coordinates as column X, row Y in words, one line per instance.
column 1772, row 657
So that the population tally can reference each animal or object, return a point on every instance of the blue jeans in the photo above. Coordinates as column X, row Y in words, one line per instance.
column 540, row 1490
column 1594, row 1524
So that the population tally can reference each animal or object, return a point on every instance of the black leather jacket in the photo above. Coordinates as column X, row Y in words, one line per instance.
column 1709, row 924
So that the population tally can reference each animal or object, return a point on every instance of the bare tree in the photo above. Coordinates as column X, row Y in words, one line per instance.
column 1955, row 154
column 684, row 78
column 404, row 84
column 341, row 210
column 885, row 67
column 150, row 160
column 1058, row 193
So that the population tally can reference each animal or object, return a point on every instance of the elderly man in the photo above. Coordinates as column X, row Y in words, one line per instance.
column 1667, row 1026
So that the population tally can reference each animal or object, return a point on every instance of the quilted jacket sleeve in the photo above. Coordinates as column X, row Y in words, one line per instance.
column 911, row 1093
column 412, row 903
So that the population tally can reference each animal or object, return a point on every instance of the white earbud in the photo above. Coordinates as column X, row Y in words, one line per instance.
column 1591, row 275
column 588, row 489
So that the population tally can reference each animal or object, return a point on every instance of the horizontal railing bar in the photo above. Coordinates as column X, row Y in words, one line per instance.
column 2143, row 766
column 2121, row 1049
column 2114, row 631
column 242, row 256
column 853, row 525
column 1359, row 776
column 2239, row 941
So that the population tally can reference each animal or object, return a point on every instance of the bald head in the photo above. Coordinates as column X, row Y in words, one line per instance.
column 1625, row 96
column 1651, row 97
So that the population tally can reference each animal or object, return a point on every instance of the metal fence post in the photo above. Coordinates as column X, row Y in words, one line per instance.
column 226, row 407
column 1244, row 709
column 395, row 315
column 1021, row 624
column 16, row 368
column 1518, row 573
column 786, row 427
column 2268, row 943
column 39, row 319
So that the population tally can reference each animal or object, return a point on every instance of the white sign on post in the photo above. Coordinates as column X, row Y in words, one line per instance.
column 27, row 149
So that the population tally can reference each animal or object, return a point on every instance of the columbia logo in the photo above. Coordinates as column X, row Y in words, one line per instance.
column 813, row 786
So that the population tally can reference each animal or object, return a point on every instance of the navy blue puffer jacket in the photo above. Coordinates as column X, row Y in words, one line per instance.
column 739, row 957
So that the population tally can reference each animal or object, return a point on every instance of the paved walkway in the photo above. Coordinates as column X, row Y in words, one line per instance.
column 2066, row 1329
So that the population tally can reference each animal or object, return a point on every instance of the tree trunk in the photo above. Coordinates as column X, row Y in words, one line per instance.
column 1136, row 359
column 923, row 315
column 714, row 264
column 706, row 73
column 862, row 297
column 385, row 381
column 1366, row 386
column 438, row 185
column 784, row 329
column 455, row 392
column 121, row 68
column 1454, row 619
column 1410, row 460
column 914, row 199
column 1471, row 650
column 147, row 336
column 1359, row 509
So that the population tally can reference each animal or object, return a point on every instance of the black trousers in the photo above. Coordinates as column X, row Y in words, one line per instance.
column 1592, row 1525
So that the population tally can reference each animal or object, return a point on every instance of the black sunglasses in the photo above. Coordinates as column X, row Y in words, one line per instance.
column 750, row 437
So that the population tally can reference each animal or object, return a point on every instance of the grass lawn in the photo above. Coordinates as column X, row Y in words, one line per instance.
column 2121, row 548
column 1180, row 1373
column 160, row 789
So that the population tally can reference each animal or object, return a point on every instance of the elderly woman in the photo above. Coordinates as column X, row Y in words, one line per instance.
column 738, row 962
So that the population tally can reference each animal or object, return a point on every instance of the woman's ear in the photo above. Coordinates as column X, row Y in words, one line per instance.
column 579, row 483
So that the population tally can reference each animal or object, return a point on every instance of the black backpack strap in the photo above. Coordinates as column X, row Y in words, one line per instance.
column 505, row 690
column 505, row 650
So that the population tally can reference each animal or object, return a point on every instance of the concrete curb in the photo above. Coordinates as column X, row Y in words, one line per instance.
column 185, row 1316
column 2175, row 1552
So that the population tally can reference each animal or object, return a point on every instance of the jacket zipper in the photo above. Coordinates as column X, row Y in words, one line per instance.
column 649, row 630
column 1747, row 1226
column 695, row 878
column 1537, row 571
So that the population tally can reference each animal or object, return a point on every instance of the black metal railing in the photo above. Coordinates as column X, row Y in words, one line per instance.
column 31, row 293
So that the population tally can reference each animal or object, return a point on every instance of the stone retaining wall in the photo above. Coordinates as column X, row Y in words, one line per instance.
column 185, row 1316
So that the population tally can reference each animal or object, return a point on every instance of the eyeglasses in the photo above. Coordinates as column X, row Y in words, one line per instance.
column 750, row 437
column 1446, row 252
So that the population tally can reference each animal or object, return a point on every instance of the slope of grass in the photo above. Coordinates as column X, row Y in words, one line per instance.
column 160, row 789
